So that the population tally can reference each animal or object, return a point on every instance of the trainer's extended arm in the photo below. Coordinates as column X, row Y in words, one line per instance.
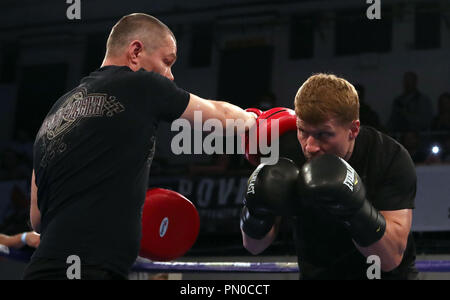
column 220, row 110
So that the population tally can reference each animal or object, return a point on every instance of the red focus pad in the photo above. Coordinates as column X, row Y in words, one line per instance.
column 170, row 225
column 287, row 121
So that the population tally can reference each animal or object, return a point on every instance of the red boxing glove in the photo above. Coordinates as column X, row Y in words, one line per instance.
column 287, row 121
column 170, row 225
column 256, row 111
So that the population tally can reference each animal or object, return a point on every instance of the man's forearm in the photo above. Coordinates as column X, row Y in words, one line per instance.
column 11, row 241
column 389, row 248
column 233, row 112
column 36, row 224
column 255, row 246
column 35, row 220
column 35, row 213
column 219, row 110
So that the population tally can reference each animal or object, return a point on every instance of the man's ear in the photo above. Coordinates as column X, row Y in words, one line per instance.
column 135, row 49
column 354, row 129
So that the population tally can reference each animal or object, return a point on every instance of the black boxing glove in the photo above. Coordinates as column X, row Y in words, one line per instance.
column 256, row 225
column 330, row 182
column 270, row 192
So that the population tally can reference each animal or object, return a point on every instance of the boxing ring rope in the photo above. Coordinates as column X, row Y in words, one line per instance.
column 143, row 265
column 215, row 267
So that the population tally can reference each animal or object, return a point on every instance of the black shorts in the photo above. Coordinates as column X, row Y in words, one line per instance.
column 53, row 269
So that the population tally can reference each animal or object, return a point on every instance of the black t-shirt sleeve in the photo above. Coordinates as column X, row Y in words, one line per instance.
column 398, row 187
column 164, row 99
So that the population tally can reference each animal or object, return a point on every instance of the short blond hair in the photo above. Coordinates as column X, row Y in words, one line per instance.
column 137, row 26
column 324, row 96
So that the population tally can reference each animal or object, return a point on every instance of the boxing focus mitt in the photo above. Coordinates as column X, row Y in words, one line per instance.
column 170, row 225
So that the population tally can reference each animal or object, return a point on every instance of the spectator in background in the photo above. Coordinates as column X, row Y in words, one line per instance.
column 441, row 121
column 367, row 116
column 446, row 150
column 411, row 141
column 420, row 153
column 412, row 110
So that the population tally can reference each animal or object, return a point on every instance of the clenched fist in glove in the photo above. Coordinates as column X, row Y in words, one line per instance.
column 330, row 182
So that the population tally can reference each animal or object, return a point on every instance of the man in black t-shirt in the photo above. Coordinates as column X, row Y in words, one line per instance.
column 350, row 193
column 93, row 152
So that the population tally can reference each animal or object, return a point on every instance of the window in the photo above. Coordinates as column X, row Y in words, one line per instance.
column 355, row 33
column 10, row 57
column 301, row 37
column 201, row 45
column 427, row 27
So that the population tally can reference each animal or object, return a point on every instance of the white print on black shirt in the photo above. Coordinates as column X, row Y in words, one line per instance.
column 76, row 107
column 151, row 153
